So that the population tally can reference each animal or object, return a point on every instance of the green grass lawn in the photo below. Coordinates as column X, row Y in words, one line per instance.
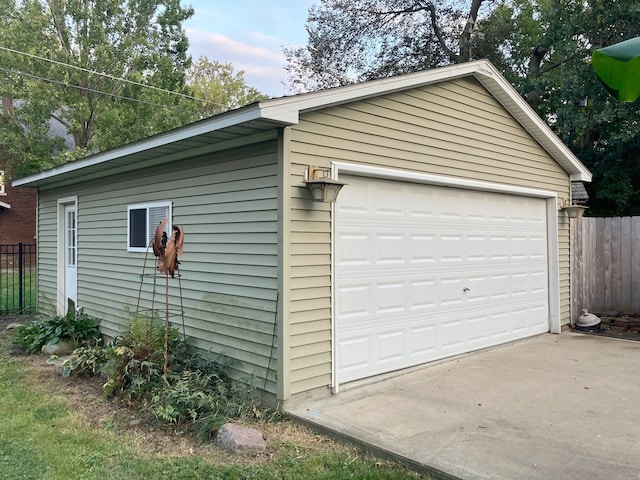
column 48, row 433
column 9, row 292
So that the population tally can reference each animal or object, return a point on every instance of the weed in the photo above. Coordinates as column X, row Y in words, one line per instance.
column 89, row 359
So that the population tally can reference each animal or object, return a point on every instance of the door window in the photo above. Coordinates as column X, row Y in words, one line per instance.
column 70, row 257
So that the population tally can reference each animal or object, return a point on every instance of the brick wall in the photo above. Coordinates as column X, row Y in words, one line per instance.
column 18, row 223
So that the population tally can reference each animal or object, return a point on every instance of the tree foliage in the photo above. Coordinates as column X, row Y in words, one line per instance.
column 64, row 60
column 543, row 47
column 351, row 41
column 219, row 88
column 91, row 75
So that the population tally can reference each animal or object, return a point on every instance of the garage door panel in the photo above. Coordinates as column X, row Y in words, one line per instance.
column 403, row 293
column 423, row 341
column 423, row 272
column 391, row 347
column 354, row 355
column 364, row 250
column 478, row 328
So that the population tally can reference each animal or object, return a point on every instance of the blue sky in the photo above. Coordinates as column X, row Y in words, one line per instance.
column 250, row 35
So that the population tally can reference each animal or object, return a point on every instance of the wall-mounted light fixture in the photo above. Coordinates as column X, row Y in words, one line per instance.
column 573, row 210
column 322, row 187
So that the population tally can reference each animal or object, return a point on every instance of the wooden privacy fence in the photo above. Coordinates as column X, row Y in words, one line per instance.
column 605, row 267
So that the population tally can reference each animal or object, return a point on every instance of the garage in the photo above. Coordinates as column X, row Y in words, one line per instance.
column 427, row 271
column 451, row 235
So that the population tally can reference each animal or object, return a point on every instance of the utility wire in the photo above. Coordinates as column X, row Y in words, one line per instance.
column 112, row 77
column 65, row 84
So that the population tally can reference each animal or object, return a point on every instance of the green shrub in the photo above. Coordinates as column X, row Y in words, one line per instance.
column 205, row 398
column 147, row 336
column 77, row 328
column 194, row 391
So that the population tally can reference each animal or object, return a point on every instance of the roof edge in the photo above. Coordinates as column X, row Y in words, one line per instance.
column 483, row 70
column 227, row 119
column 290, row 107
column 491, row 78
column 286, row 111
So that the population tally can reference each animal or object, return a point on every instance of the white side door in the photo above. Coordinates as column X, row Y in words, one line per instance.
column 70, row 255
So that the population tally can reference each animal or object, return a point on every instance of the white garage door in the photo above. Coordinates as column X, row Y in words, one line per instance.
column 425, row 272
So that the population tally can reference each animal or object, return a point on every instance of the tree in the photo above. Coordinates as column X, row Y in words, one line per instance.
column 219, row 88
column 351, row 41
column 65, row 60
column 543, row 47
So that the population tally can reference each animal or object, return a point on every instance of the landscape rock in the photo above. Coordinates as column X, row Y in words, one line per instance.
column 134, row 424
column 11, row 326
column 61, row 348
column 238, row 439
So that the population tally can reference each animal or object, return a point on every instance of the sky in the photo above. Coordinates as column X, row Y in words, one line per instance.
column 249, row 34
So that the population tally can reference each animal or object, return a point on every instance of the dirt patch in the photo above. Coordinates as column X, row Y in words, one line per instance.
column 84, row 396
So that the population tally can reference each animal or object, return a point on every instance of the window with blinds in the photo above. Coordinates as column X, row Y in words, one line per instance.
column 143, row 219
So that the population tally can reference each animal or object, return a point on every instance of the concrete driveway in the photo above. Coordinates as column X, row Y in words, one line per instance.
column 549, row 407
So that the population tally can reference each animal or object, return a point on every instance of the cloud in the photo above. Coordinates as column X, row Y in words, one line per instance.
column 259, row 56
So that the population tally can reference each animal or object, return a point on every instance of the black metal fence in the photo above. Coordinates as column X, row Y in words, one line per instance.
column 17, row 278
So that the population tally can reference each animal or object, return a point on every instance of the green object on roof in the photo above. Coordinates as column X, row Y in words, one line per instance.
column 618, row 68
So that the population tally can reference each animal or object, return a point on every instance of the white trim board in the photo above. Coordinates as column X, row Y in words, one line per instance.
column 404, row 175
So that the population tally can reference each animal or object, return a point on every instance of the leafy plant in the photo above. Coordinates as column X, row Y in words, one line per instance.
column 85, row 360
column 205, row 398
column 74, row 327
column 194, row 391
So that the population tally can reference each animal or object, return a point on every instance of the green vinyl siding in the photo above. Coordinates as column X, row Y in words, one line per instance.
column 227, row 204
column 454, row 129
column 47, row 239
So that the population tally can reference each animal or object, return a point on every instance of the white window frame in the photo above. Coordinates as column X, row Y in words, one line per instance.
column 150, row 229
column 2, row 180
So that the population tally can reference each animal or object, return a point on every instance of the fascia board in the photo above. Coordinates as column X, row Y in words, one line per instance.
column 235, row 117
column 289, row 108
column 504, row 92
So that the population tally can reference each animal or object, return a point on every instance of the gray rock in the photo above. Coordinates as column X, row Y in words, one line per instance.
column 134, row 424
column 238, row 439
column 11, row 326
column 61, row 348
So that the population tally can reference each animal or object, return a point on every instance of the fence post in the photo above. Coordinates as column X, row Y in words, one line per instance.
column 20, row 278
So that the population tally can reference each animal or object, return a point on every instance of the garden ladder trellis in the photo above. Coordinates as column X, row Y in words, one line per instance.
column 154, row 312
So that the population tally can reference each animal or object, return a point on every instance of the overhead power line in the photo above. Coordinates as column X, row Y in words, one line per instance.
column 106, row 75
column 65, row 84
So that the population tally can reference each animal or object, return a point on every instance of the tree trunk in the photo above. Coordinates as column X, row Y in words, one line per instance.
column 535, row 61
column 466, row 37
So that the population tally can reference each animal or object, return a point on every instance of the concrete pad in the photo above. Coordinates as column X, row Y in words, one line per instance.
column 549, row 407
